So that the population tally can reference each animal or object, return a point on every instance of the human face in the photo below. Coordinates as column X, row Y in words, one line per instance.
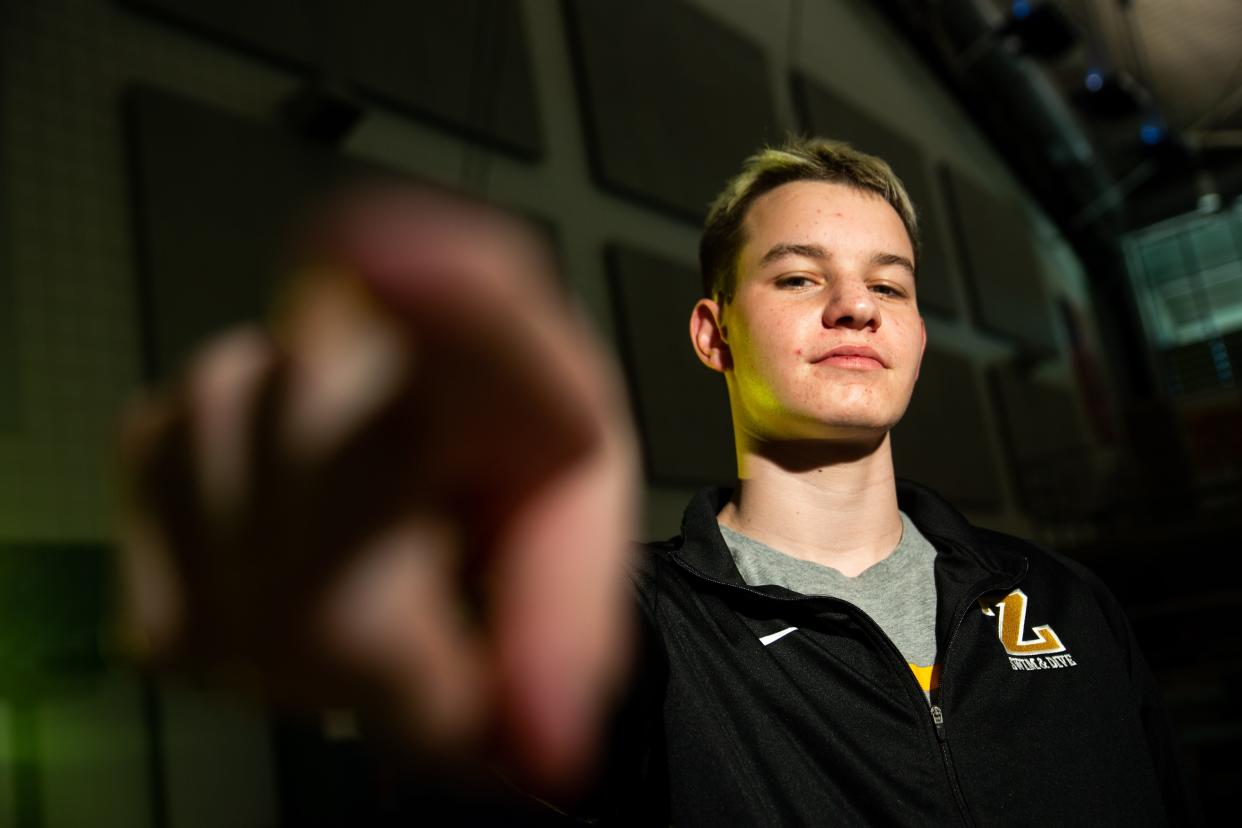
column 823, row 338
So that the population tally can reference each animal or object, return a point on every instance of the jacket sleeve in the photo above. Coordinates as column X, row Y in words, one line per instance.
column 631, row 780
column 1166, row 757
column 1180, row 806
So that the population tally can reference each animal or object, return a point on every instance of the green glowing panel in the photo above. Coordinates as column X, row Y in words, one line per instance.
column 52, row 603
column 943, row 439
column 682, row 407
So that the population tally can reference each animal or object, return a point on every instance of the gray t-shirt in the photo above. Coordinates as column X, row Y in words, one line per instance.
column 898, row 593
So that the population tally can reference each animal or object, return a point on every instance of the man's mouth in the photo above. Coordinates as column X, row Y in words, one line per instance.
column 854, row 357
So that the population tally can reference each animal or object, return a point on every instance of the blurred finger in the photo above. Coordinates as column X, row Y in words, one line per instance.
column 436, row 260
column 394, row 616
column 347, row 357
column 221, row 389
column 150, row 599
column 562, row 613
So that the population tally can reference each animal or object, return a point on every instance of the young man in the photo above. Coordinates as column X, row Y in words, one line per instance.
column 821, row 644
column 836, row 646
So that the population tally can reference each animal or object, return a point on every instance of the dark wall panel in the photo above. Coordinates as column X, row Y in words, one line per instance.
column 1046, row 442
column 942, row 441
column 214, row 195
column 10, row 388
column 1040, row 420
column 464, row 64
column 999, row 259
column 277, row 29
column 682, row 407
column 825, row 114
column 673, row 100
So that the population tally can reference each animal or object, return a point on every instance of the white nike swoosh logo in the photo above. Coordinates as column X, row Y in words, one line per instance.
column 776, row 636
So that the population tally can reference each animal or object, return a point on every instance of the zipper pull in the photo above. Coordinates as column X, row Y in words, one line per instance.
column 938, row 720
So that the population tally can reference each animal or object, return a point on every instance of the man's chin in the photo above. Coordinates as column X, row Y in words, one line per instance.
column 848, row 427
column 845, row 430
column 869, row 435
column 866, row 428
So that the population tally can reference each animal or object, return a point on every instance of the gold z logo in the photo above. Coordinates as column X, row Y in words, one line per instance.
column 1012, row 624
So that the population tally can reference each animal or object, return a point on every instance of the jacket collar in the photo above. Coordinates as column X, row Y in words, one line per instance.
column 967, row 555
column 703, row 548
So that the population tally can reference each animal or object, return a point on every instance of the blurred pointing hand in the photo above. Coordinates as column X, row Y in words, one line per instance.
column 417, row 489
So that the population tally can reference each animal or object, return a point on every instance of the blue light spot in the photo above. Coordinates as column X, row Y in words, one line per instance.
column 1151, row 133
column 1094, row 81
column 1021, row 9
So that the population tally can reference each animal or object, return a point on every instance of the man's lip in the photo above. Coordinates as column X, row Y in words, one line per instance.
column 853, row 350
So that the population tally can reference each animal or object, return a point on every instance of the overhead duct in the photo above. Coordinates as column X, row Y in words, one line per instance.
column 1025, row 111
column 1013, row 101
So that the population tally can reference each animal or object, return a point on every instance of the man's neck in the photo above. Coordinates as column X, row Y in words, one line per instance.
column 831, row 503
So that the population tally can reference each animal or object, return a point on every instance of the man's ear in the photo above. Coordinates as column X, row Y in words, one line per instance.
column 708, row 335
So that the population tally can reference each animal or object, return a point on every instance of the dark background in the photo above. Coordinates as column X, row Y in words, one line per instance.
column 1075, row 164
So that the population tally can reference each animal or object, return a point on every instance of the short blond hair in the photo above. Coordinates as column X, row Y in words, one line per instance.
column 798, row 159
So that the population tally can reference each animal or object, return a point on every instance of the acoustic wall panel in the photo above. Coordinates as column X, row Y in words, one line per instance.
column 999, row 259
column 682, row 407
column 10, row 388
column 9, row 381
column 214, row 196
column 278, row 29
column 1046, row 442
column 465, row 65
column 673, row 100
column 942, row 440
column 1039, row 420
column 827, row 115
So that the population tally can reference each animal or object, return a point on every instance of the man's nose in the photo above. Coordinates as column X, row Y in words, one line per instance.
column 851, row 306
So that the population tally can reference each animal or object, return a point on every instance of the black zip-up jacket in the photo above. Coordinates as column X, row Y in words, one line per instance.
column 1046, row 713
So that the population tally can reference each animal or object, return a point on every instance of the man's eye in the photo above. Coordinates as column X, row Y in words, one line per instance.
column 887, row 290
column 794, row 280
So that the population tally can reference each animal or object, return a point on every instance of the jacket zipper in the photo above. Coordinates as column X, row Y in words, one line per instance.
column 937, row 716
column 936, row 711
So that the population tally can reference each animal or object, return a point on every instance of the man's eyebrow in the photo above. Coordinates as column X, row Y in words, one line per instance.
column 883, row 259
column 815, row 251
column 779, row 251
